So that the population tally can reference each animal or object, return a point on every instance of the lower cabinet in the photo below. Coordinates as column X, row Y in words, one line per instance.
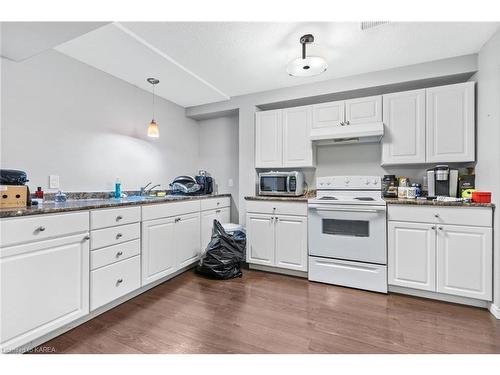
column 207, row 221
column 169, row 244
column 44, row 286
column 443, row 258
column 277, row 240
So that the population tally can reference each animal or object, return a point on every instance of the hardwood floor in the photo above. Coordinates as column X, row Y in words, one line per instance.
column 270, row 313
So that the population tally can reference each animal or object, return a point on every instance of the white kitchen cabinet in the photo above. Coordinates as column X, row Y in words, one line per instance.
column 260, row 239
column 277, row 240
column 412, row 255
column 158, row 249
column 44, row 286
column 464, row 261
column 291, row 240
column 404, row 120
column 268, row 139
column 207, row 222
column 327, row 115
column 450, row 123
column 363, row 110
column 187, row 239
column 297, row 147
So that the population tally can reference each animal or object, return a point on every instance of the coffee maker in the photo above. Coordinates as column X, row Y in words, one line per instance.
column 442, row 181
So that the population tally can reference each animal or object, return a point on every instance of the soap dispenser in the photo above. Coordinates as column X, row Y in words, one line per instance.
column 118, row 188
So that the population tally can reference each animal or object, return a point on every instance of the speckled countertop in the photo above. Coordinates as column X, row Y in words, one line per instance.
column 50, row 207
column 421, row 202
column 302, row 198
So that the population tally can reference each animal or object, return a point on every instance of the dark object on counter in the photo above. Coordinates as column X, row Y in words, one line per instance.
column 390, row 186
column 185, row 185
column 224, row 254
column 465, row 182
column 12, row 177
column 206, row 184
column 481, row 197
column 39, row 192
column 431, row 197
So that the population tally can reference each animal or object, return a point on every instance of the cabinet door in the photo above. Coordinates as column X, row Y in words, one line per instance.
column 297, row 146
column 412, row 255
column 326, row 115
column 187, row 239
column 363, row 110
column 44, row 285
column 260, row 239
column 291, row 242
column 158, row 249
column 464, row 261
column 404, row 135
column 268, row 139
column 450, row 123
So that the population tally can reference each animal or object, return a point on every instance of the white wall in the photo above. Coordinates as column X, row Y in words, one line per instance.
column 219, row 156
column 488, row 136
column 60, row 116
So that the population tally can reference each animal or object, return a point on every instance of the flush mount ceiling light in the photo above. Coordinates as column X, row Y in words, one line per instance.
column 306, row 66
column 153, row 130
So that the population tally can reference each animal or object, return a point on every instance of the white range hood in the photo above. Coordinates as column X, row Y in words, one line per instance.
column 358, row 133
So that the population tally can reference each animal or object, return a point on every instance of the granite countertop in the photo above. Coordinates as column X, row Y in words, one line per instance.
column 301, row 198
column 50, row 207
column 419, row 202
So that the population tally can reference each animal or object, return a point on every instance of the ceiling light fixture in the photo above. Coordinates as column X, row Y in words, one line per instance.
column 306, row 66
column 153, row 130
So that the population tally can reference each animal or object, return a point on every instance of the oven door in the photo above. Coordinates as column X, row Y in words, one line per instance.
column 349, row 232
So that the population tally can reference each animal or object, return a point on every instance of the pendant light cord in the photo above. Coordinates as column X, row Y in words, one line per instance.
column 153, row 101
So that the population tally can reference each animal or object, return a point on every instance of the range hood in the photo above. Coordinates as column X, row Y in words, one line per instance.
column 358, row 133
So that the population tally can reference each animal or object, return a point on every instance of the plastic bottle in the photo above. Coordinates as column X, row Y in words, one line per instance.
column 118, row 188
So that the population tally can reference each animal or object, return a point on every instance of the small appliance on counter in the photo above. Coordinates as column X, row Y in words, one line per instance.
column 281, row 183
column 13, row 192
column 442, row 181
column 187, row 185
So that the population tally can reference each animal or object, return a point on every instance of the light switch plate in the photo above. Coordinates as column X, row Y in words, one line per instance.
column 54, row 181
column 230, row 182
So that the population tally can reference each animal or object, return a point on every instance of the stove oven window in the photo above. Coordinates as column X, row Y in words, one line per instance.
column 352, row 228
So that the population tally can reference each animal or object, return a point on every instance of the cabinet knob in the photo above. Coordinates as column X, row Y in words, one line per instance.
column 119, row 217
column 119, row 235
column 119, row 254
column 119, row 281
column 436, row 215
column 177, row 219
column 347, row 123
column 218, row 203
column 41, row 229
column 342, row 123
column 217, row 211
column 86, row 238
column 433, row 227
column 440, row 228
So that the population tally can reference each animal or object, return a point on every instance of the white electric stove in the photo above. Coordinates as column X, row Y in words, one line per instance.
column 347, row 233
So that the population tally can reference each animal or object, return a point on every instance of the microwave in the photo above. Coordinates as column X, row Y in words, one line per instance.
column 281, row 183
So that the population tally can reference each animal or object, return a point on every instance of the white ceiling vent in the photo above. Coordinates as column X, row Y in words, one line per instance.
column 371, row 24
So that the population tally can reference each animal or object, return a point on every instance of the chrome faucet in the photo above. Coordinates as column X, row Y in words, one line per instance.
column 143, row 189
column 148, row 191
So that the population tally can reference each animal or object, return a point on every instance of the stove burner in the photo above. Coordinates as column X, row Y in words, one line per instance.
column 328, row 199
column 364, row 198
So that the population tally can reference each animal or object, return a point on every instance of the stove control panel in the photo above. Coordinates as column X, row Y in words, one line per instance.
column 349, row 182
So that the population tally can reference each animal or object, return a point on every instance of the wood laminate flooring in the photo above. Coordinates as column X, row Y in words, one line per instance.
column 269, row 313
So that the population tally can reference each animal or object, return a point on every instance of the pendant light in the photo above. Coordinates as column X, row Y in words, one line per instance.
column 153, row 130
column 306, row 66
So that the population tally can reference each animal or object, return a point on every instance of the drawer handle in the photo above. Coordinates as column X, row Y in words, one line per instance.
column 119, row 217
column 436, row 215
column 217, row 211
column 119, row 254
column 218, row 203
column 119, row 235
column 41, row 229
column 177, row 219
column 86, row 238
column 119, row 281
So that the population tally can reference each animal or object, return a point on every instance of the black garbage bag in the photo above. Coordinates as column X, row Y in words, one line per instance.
column 224, row 254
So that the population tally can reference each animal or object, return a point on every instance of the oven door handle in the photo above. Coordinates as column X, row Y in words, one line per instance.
column 371, row 210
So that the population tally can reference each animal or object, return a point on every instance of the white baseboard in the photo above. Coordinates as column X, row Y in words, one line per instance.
column 439, row 296
column 282, row 271
column 495, row 311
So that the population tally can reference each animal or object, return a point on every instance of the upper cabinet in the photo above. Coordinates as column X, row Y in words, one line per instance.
column 326, row 115
column 450, row 123
column 404, row 120
column 363, row 110
column 282, row 138
column 435, row 125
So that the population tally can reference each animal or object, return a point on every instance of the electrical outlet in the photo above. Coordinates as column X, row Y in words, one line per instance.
column 230, row 182
column 54, row 181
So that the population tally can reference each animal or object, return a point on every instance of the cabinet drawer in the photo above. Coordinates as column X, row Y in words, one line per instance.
column 159, row 211
column 278, row 208
column 113, row 281
column 112, row 236
column 213, row 203
column 115, row 253
column 115, row 216
column 34, row 228
column 471, row 216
